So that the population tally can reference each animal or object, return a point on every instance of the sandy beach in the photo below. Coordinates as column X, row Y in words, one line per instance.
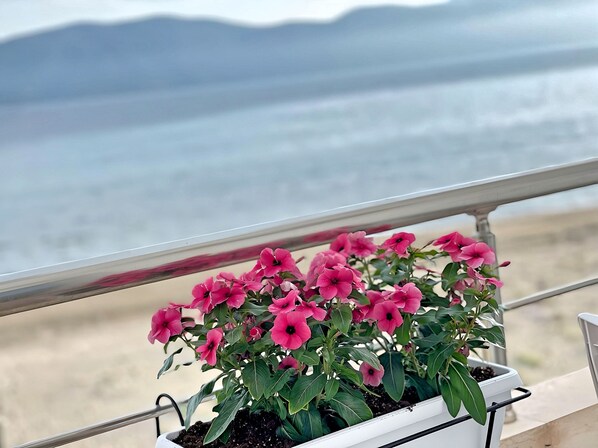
column 72, row 365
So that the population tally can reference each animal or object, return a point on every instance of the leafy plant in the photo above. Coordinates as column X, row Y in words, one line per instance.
column 306, row 347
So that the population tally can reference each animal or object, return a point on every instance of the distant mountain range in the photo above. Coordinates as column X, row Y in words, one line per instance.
column 169, row 53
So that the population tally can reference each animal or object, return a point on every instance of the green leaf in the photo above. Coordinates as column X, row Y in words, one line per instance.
column 493, row 335
column 225, row 416
column 281, row 408
column 288, row 431
column 221, row 313
column 347, row 373
column 450, row 397
column 438, row 357
column 304, row 390
column 315, row 342
column 450, row 275
column 394, row 374
column 352, row 409
column 261, row 345
column 460, row 357
column 469, row 391
column 309, row 423
column 168, row 362
column 403, row 333
column 362, row 354
column 342, row 317
column 309, row 358
column 225, row 436
column 423, row 388
column 361, row 298
column 252, row 308
column 196, row 399
column 256, row 377
column 331, row 388
column 432, row 340
column 285, row 392
column 235, row 335
column 278, row 382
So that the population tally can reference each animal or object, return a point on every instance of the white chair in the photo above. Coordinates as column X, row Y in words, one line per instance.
column 589, row 327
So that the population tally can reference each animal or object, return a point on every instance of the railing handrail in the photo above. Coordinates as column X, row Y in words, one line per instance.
column 37, row 288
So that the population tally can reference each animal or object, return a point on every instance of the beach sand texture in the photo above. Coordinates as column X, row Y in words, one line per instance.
column 75, row 364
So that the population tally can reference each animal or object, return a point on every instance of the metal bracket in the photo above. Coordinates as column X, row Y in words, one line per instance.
column 491, row 409
column 176, row 408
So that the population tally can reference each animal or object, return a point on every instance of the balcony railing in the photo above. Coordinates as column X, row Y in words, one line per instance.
column 37, row 288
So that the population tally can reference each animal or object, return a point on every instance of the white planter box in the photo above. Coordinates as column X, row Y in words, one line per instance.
column 404, row 422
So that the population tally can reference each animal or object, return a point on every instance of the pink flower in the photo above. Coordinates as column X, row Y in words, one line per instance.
column 455, row 300
column 234, row 296
column 445, row 240
column 475, row 275
column 202, row 294
column 288, row 362
column 374, row 297
column 371, row 377
column 321, row 261
column 207, row 351
column 284, row 305
column 341, row 244
column 494, row 281
column 290, row 330
column 226, row 277
column 166, row 323
column 276, row 261
column 335, row 282
column 251, row 280
column 477, row 254
column 399, row 242
column 358, row 315
column 287, row 286
column 255, row 333
column 309, row 309
column 387, row 316
column 407, row 297
column 452, row 243
column 360, row 245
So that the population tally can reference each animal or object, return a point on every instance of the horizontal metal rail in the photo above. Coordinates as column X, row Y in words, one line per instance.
column 37, row 288
column 547, row 294
column 103, row 427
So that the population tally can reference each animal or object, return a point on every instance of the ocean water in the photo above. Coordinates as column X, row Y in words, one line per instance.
column 75, row 191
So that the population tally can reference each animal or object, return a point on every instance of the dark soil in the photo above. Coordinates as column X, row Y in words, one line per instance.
column 248, row 431
column 259, row 430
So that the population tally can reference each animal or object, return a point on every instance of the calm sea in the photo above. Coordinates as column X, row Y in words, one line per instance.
column 98, row 180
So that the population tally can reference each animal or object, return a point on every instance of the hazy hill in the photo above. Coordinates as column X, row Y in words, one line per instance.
column 167, row 53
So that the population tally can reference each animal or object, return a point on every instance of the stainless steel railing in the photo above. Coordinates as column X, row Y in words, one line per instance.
column 37, row 288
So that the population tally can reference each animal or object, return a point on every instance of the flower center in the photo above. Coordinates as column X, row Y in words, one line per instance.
column 389, row 316
column 290, row 329
column 276, row 262
column 210, row 346
column 371, row 371
column 164, row 324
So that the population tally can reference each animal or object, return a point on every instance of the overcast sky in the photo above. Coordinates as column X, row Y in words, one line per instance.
column 27, row 16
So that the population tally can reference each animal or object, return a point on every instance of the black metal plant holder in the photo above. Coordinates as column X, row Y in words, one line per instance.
column 174, row 405
column 490, row 409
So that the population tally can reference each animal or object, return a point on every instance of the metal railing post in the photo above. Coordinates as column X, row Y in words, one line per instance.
column 484, row 233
